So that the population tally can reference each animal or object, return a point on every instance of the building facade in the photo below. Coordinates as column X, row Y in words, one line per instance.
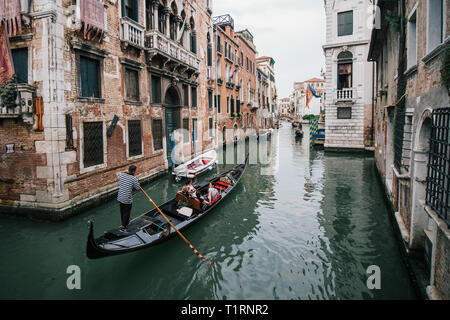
column 104, row 84
column 348, row 74
column 267, row 65
column 412, row 123
column 236, row 80
column 315, row 105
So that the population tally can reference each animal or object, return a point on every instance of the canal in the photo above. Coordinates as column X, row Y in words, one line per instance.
column 309, row 230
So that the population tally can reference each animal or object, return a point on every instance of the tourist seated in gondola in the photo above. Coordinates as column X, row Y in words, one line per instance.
column 212, row 196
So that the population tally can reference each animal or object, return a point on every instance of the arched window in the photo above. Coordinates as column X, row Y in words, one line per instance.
column 193, row 37
column 209, row 50
column 345, row 70
column 172, row 21
column 161, row 20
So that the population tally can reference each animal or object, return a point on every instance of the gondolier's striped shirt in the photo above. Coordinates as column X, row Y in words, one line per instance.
column 127, row 183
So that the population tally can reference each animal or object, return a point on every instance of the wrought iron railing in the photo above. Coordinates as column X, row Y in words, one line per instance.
column 438, row 178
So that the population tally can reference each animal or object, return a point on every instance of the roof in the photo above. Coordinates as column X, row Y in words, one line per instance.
column 315, row 80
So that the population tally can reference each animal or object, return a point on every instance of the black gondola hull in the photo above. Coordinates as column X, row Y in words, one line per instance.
column 96, row 250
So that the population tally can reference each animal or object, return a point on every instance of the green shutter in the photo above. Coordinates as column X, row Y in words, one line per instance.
column 345, row 23
column 20, row 61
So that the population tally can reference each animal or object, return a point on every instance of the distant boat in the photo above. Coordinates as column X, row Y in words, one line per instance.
column 196, row 166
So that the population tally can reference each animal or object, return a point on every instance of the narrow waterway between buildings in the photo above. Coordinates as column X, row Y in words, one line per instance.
column 309, row 231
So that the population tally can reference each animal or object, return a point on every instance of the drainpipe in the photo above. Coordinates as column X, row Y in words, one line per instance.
column 373, row 103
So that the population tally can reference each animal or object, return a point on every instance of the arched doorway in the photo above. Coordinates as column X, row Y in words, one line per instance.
column 419, row 219
column 173, row 119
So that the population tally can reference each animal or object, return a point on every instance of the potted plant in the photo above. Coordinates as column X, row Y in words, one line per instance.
column 235, row 115
column 238, row 86
column 219, row 81
column 8, row 94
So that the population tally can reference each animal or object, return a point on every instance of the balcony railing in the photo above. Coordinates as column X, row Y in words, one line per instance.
column 132, row 33
column 344, row 94
column 159, row 42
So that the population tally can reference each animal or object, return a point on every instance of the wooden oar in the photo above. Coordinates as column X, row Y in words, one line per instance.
column 179, row 233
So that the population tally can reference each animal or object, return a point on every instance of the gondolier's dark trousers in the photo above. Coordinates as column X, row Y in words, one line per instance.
column 125, row 210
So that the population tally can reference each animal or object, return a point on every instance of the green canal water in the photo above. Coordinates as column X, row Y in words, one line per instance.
column 309, row 231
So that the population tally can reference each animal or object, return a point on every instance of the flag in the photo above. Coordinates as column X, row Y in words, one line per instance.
column 6, row 63
column 10, row 15
column 310, row 93
column 93, row 18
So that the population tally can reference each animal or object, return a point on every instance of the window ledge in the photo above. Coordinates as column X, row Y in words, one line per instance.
column 91, row 100
column 133, row 103
column 156, row 104
column 412, row 70
column 435, row 52
column 140, row 156
column 439, row 221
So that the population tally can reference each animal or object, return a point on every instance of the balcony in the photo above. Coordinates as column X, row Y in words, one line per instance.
column 345, row 94
column 131, row 33
column 171, row 51
column 24, row 108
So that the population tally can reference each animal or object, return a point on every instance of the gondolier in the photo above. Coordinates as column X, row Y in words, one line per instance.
column 127, row 182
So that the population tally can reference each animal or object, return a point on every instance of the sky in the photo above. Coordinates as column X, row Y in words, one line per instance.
column 290, row 31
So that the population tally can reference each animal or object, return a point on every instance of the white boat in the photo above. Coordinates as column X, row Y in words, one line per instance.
column 196, row 166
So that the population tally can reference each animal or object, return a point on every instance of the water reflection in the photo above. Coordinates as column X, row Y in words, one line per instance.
column 309, row 230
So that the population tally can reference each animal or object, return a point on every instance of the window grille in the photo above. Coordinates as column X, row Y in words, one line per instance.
column 134, row 138
column 438, row 178
column 157, row 134
column 92, row 143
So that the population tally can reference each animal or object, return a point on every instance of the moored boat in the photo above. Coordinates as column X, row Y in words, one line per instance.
column 151, row 228
column 196, row 166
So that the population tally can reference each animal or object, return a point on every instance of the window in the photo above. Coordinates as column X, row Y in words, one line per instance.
column 228, row 104
column 92, row 143
column 90, row 77
column 218, row 104
column 186, row 95
column 186, row 130
column 69, row 132
column 210, row 99
column 193, row 43
column 130, row 9
column 412, row 40
column 20, row 61
column 210, row 59
column 194, row 129
column 132, row 84
column 134, row 138
column 211, row 131
column 345, row 66
column 156, row 89
column 157, row 134
column 345, row 23
column 435, row 30
column 232, row 106
column 344, row 113
column 149, row 13
column 226, row 49
column 194, row 97
column 219, row 44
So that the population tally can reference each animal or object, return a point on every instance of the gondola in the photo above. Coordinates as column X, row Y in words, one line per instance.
column 299, row 133
column 151, row 228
